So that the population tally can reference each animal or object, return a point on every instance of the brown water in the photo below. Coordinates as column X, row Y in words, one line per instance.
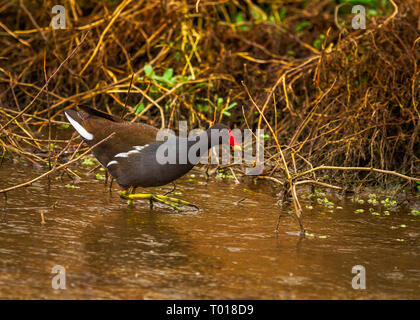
column 224, row 250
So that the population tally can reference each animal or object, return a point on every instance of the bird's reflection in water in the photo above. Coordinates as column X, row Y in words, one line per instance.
column 135, row 247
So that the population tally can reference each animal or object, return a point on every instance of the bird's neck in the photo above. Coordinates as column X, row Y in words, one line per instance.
column 200, row 145
column 213, row 137
column 206, row 140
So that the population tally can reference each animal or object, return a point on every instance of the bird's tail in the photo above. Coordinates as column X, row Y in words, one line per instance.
column 80, row 119
column 76, row 120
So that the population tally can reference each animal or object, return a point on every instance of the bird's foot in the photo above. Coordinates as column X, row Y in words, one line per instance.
column 169, row 201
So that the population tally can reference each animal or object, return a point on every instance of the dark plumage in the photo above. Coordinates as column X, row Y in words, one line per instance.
column 130, row 154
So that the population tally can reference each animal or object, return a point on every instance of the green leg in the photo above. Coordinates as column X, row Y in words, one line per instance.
column 175, row 200
column 130, row 190
column 169, row 201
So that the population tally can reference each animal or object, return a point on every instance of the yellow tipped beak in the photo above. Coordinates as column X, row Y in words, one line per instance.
column 237, row 147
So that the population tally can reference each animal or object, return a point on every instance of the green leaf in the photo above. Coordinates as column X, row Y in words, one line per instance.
column 168, row 74
column 258, row 14
column 232, row 105
column 202, row 107
column 219, row 102
column 302, row 26
column 148, row 70
column 71, row 186
column 283, row 13
column 100, row 176
column 88, row 162
column 318, row 42
column 64, row 126
column 239, row 18
column 139, row 108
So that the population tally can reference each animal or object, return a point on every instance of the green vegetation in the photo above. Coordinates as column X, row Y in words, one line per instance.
column 415, row 212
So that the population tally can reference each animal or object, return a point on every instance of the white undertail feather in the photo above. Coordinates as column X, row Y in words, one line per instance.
column 82, row 131
column 121, row 155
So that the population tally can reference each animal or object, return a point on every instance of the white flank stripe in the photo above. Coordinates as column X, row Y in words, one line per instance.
column 140, row 147
column 121, row 155
column 111, row 163
column 82, row 131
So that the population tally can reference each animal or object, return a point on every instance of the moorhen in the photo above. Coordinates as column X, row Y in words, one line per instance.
column 130, row 155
